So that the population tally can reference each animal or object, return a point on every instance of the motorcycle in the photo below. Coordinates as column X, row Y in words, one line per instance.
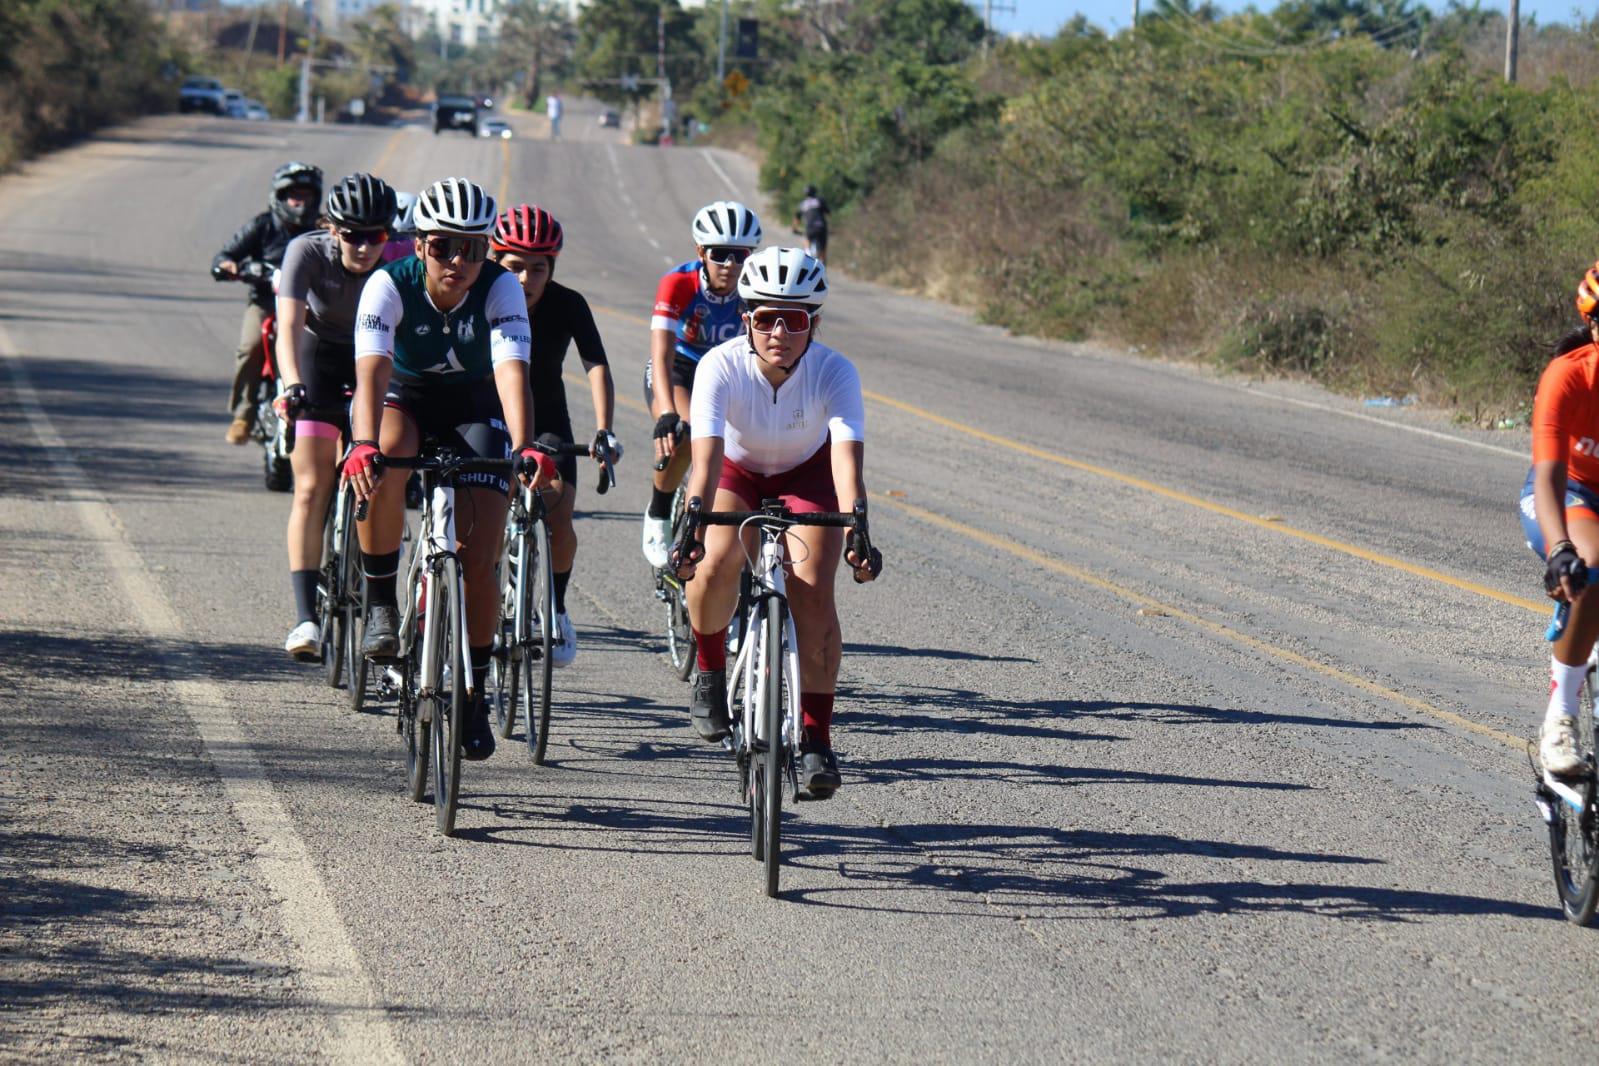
column 274, row 434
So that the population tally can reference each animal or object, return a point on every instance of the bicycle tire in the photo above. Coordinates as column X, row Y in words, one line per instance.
column 1574, row 837
column 352, row 611
column 505, row 673
column 772, row 757
column 448, row 709
column 537, row 668
column 329, row 595
column 418, row 750
column 355, row 664
column 679, row 634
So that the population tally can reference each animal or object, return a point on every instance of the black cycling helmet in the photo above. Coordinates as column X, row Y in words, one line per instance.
column 293, row 176
column 362, row 201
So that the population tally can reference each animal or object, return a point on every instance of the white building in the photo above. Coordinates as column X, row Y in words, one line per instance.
column 463, row 22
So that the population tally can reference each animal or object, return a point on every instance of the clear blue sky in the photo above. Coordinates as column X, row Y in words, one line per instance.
column 1044, row 17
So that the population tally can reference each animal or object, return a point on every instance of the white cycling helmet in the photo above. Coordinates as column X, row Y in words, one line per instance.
column 726, row 224
column 783, row 275
column 455, row 205
column 405, row 213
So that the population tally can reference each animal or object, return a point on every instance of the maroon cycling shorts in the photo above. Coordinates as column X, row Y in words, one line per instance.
column 806, row 489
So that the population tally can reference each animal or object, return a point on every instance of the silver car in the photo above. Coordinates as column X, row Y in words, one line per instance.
column 494, row 127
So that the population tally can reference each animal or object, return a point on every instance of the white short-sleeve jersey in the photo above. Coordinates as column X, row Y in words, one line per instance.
column 767, row 430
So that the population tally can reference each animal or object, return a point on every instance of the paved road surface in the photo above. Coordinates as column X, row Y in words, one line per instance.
column 1184, row 725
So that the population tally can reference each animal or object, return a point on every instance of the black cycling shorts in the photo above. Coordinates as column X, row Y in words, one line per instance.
column 467, row 417
column 558, row 431
column 329, row 376
column 682, row 375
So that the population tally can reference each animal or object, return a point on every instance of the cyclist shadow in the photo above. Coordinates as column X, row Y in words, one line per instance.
column 898, row 651
column 35, row 654
column 599, row 824
column 1044, row 873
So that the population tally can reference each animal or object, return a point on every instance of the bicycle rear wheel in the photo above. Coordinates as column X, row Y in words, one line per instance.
column 1573, row 835
column 505, row 674
column 772, row 758
column 449, row 703
column 537, row 663
column 350, row 614
column 679, row 634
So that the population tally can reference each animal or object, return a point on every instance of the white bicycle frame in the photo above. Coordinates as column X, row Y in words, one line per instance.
column 769, row 584
column 437, row 541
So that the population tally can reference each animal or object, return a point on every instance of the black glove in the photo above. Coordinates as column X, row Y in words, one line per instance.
column 666, row 425
column 1565, row 563
column 860, row 545
column 606, row 446
column 291, row 401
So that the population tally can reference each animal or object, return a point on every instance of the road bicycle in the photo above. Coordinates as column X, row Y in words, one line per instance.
column 339, row 592
column 274, row 434
column 523, row 659
column 669, row 591
column 432, row 676
column 763, row 681
column 1568, row 802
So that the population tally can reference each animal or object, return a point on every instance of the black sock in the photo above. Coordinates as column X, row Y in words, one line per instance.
column 660, row 502
column 381, row 572
column 304, row 583
column 561, row 578
column 480, row 669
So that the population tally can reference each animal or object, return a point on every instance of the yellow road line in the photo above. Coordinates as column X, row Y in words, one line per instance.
column 1540, row 606
column 1132, row 480
column 388, row 150
column 1050, row 563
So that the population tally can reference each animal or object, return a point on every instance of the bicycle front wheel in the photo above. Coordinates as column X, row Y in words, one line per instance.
column 449, row 701
column 679, row 634
column 505, row 672
column 537, row 663
column 1574, row 835
column 772, row 757
column 329, row 593
column 417, row 743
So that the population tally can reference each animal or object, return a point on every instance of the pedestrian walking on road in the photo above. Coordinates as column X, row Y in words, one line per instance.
column 554, row 108
column 810, row 218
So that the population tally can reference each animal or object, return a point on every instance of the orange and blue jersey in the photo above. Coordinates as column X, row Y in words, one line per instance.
column 700, row 320
column 1565, row 428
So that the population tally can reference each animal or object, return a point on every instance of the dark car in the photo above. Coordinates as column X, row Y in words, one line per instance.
column 455, row 113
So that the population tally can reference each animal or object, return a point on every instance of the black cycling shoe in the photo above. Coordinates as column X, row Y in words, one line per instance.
column 477, row 736
column 708, row 708
column 382, row 641
column 818, row 773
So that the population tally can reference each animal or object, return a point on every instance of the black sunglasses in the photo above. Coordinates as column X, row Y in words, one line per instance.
column 364, row 237
column 727, row 255
column 470, row 249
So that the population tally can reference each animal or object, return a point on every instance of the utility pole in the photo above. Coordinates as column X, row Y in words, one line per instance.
column 660, row 42
column 1135, row 16
column 1512, row 39
column 721, row 49
column 305, row 67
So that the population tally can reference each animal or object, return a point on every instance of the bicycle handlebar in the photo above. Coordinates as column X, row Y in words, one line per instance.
column 774, row 513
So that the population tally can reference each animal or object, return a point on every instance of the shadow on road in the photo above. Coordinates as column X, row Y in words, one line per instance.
column 27, row 655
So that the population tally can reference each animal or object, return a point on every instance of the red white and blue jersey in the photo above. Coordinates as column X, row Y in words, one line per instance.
column 701, row 320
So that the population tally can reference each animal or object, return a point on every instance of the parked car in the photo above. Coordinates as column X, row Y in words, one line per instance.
column 494, row 127
column 455, row 113
column 256, row 111
column 199, row 93
column 610, row 118
column 234, row 104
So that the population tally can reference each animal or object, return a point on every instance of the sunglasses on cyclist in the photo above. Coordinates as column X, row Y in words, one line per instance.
column 794, row 319
column 470, row 249
column 722, row 256
column 359, row 238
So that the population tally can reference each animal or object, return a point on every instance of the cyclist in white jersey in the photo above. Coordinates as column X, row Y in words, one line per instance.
column 776, row 414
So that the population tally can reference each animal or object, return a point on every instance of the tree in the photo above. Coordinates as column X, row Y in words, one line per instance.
column 536, row 37
column 617, row 37
column 380, row 41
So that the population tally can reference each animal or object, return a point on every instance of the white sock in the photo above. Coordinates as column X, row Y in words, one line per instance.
column 1565, row 683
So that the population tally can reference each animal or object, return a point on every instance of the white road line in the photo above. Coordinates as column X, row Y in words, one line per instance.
column 705, row 153
column 327, row 963
column 653, row 242
column 1512, row 452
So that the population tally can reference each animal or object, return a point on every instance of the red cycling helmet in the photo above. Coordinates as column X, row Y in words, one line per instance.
column 527, row 229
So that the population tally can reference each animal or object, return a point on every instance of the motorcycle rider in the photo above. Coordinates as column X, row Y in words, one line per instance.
column 293, row 207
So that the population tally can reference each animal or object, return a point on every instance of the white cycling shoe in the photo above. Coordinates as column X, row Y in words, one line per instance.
column 657, row 539
column 1557, row 747
column 563, row 643
column 305, row 642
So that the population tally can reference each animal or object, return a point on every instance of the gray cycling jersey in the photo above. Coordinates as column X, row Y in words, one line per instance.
column 313, row 271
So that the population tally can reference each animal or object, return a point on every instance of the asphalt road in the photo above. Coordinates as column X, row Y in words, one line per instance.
column 1184, row 725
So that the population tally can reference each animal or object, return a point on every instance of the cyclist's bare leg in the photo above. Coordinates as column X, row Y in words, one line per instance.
column 815, row 551
column 314, row 478
column 669, row 479
column 713, row 594
column 558, row 501
column 1582, row 628
column 385, row 520
column 480, row 524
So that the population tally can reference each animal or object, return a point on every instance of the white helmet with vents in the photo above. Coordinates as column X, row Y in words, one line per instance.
column 726, row 224
column 783, row 275
column 455, row 205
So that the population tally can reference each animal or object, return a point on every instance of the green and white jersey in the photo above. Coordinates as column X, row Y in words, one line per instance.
column 397, row 320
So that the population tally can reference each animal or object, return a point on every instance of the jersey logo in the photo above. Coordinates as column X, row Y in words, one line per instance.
column 451, row 365
column 1583, row 446
column 374, row 323
column 423, row 330
column 465, row 331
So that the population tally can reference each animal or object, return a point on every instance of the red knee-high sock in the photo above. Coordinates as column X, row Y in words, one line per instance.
column 710, row 650
column 816, row 708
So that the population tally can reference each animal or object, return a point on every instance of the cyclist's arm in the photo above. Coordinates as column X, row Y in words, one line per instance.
column 1555, row 407
column 291, row 339
column 849, row 467
column 662, row 344
column 591, row 350
column 510, row 344
column 846, row 424
column 672, row 295
column 706, row 471
column 603, row 391
column 244, row 244
column 708, row 419
column 377, row 318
